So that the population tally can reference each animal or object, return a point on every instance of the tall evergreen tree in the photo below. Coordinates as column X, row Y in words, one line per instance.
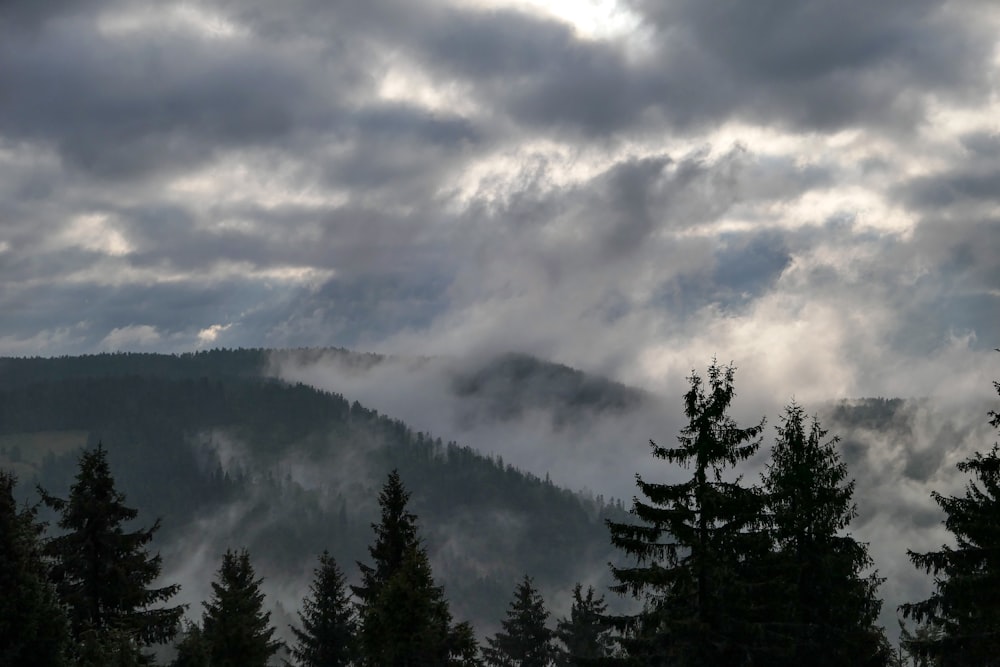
column 962, row 615
column 586, row 634
column 524, row 641
column 409, row 622
column 404, row 616
column 33, row 627
column 102, row 572
column 693, row 539
column 328, row 635
column 828, row 606
column 395, row 536
column 235, row 625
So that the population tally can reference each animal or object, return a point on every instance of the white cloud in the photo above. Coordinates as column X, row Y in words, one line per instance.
column 208, row 335
column 136, row 335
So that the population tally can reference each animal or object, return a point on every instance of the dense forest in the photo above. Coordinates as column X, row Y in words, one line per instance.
column 419, row 552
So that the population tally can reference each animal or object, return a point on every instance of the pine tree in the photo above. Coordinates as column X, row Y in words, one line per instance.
column 328, row 635
column 234, row 624
column 829, row 608
column 586, row 634
column 103, row 573
column 404, row 616
column 524, row 641
column 694, row 540
column 33, row 627
column 962, row 615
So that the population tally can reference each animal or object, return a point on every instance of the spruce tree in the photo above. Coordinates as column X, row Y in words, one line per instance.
column 235, row 625
column 962, row 615
column 404, row 616
column 409, row 622
column 524, row 641
column 585, row 634
column 328, row 635
column 33, row 627
column 101, row 571
column 694, row 541
column 395, row 535
column 827, row 607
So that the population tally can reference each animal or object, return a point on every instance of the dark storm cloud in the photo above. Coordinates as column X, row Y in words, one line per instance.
column 971, row 179
column 538, row 70
column 816, row 64
column 123, row 107
column 128, row 105
column 28, row 15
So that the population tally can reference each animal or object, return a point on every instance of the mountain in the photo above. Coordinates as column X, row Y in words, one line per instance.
column 229, row 457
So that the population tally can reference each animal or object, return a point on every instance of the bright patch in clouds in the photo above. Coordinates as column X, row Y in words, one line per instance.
column 208, row 335
column 591, row 19
column 136, row 335
column 95, row 231
column 186, row 17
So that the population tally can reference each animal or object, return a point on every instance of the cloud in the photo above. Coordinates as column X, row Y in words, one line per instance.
column 819, row 64
column 137, row 335
column 804, row 188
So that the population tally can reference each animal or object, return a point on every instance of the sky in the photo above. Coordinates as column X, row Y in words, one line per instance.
column 809, row 189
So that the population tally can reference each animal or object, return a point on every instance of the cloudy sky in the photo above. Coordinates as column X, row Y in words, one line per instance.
column 808, row 188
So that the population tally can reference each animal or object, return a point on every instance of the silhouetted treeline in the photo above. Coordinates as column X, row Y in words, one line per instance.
column 722, row 570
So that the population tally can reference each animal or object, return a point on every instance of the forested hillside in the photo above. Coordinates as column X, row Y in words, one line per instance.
column 228, row 458
column 199, row 485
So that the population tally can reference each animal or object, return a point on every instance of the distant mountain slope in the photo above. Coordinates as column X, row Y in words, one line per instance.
column 229, row 458
column 508, row 385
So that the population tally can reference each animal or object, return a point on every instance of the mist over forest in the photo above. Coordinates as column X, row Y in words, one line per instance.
column 263, row 253
column 514, row 463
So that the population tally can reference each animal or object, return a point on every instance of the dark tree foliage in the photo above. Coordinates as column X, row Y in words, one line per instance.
column 409, row 622
column 109, row 648
column 395, row 536
column 102, row 572
column 908, row 639
column 235, row 625
column 464, row 649
column 405, row 618
column 586, row 633
column 524, row 641
column 963, row 612
column 694, row 541
column 193, row 649
column 824, row 604
column 328, row 636
column 33, row 627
